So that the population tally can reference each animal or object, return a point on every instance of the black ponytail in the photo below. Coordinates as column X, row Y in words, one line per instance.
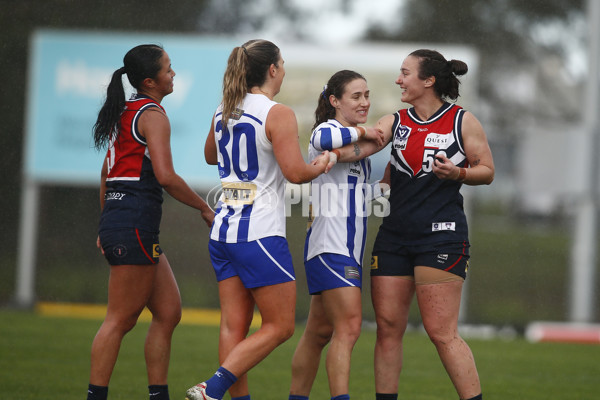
column 140, row 63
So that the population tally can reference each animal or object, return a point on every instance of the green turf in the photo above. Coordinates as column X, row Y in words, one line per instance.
column 48, row 358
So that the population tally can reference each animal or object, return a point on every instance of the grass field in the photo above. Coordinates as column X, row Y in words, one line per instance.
column 48, row 358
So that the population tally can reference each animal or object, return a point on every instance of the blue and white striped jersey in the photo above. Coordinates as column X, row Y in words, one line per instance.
column 338, row 198
column 252, row 204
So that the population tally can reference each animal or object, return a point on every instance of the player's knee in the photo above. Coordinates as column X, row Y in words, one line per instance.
column 322, row 336
column 284, row 332
column 441, row 337
column 389, row 326
column 174, row 317
column 123, row 324
column 288, row 332
column 169, row 317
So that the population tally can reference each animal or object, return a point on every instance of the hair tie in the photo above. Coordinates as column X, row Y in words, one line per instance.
column 323, row 92
column 121, row 70
column 245, row 50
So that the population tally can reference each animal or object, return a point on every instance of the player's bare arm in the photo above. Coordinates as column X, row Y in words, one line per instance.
column 282, row 131
column 479, row 156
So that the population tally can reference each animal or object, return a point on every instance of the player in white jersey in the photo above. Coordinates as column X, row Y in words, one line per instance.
column 254, row 141
column 251, row 205
column 336, row 238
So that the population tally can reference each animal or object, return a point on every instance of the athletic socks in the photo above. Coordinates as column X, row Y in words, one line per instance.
column 97, row 392
column 159, row 392
column 341, row 397
column 478, row 397
column 298, row 397
column 219, row 383
column 247, row 397
column 386, row 396
column 156, row 392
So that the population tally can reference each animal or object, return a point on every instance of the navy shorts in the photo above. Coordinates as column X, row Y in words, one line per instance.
column 262, row 262
column 402, row 260
column 330, row 271
column 130, row 246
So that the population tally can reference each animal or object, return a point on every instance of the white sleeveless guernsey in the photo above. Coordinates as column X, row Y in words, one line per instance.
column 252, row 204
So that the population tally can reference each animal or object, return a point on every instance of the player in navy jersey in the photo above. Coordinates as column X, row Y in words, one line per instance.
column 137, row 167
column 422, row 247
column 335, row 239
column 254, row 142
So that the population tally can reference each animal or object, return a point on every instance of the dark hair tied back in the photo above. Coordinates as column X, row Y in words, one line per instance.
column 139, row 63
column 432, row 63
column 336, row 87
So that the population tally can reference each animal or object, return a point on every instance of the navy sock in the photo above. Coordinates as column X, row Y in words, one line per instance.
column 219, row 383
column 341, row 397
column 478, row 397
column 246, row 397
column 158, row 392
column 297, row 397
column 97, row 392
column 386, row 396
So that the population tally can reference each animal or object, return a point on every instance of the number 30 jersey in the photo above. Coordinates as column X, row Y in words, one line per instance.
column 424, row 208
column 252, row 202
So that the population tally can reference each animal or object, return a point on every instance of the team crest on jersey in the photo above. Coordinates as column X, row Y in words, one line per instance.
column 401, row 137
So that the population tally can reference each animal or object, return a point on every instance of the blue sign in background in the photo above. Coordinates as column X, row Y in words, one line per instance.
column 68, row 76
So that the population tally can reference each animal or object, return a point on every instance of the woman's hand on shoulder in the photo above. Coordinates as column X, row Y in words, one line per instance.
column 384, row 125
column 375, row 135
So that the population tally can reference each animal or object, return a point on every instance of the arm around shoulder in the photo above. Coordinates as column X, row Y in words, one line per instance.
column 367, row 147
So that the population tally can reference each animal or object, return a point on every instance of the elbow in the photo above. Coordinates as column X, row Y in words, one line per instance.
column 211, row 158
column 489, row 178
column 165, row 180
column 296, row 178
